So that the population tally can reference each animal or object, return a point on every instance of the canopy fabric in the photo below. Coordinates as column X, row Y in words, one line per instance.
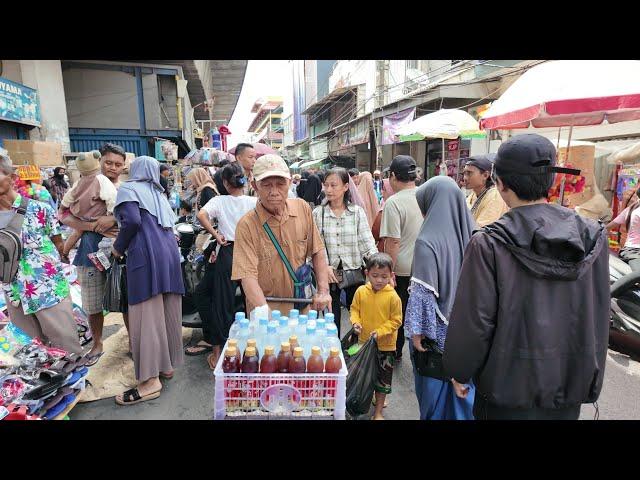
column 446, row 123
column 569, row 93
column 311, row 163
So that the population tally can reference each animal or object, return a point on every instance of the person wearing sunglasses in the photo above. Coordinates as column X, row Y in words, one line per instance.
column 485, row 202
column 529, row 325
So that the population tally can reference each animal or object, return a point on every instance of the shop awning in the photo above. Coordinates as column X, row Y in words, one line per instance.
column 332, row 97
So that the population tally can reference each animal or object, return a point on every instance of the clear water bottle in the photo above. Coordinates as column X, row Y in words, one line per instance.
column 283, row 329
column 244, row 334
column 301, row 329
column 235, row 327
column 331, row 340
column 293, row 326
column 309, row 339
column 275, row 315
column 321, row 336
column 330, row 318
column 320, row 325
column 261, row 333
column 272, row 338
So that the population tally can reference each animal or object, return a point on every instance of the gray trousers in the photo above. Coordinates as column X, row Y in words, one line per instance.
column 54, row 325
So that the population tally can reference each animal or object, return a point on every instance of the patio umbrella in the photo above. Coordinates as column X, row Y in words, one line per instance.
column 569, row 93
column 312, row 162
column 446, row 124
column 260, row 148
column 294, row 165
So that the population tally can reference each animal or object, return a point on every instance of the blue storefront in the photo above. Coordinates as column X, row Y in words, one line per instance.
column 19, row 110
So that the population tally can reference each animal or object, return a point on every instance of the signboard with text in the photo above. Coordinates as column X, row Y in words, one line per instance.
column 19, row 103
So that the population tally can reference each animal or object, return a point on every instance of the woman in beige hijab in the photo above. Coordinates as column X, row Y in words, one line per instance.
column 368, row 195
column 203, row 184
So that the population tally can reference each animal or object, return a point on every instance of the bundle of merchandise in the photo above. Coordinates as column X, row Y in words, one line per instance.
column 36, row 381
column 283, row 366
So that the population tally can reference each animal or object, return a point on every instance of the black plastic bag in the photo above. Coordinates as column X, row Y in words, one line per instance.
column 351, row 338
column 363, row 371
column 115, row 289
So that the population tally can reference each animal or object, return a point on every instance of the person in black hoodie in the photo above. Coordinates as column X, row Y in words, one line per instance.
column 530, row 321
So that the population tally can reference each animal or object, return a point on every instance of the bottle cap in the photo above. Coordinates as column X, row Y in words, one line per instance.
column 275, row 314
column 232, row 342
column 285, row 346
column 251, row 352
column 313, row 314
column 302, row 319
column 251, row 342
column 240, row 315
column 284, row 321
column 231, row 352
column 293, row 338
column 244, row 322
column 315, row 350
column 329, row 316
column 334, row 352
column 272, row 329
column 269, row 349
column 293, row 313
column 297, row 352
column 311, row 329
column 263, row 321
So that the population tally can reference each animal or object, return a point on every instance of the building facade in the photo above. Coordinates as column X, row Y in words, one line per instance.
column 266, row 126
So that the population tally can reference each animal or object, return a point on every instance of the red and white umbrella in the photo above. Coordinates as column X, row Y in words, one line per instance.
column 569, row 93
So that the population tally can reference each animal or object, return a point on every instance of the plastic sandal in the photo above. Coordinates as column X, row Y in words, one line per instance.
column 132, row 396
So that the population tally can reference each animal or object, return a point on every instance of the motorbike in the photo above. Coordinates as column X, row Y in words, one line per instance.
column 624, row 330
column 191, row 263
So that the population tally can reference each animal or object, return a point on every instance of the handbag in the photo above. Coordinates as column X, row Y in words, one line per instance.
column 429, row 363
column 303, row 278
column 346, row 278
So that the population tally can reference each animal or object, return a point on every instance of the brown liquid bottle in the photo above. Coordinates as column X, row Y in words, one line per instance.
column 293, row 342
column 333, row 365
column 252, row 343
column 315, row 388
column 269, row 362
column 297, row 363
column 232, row 342
column 283, row 358
column 250, row 361
column 230, row 362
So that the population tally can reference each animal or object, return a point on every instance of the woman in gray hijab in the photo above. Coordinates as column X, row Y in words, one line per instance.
column 437, row 261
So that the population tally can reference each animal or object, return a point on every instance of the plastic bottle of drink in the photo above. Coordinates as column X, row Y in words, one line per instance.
column 312, row 314
column 251, row 343
column 294, row 313
column 321, row 324
column 330, row 319
column 275, row 315
column 332, row 365
column 235, row 327
column 261, row 333
column 297, row 363
column 233, row 342
column 272, row 338
column 244, row 334
column 315, row 392
column 230, row 364
column 283, row 357
column 283, row 330
column 310, row 338
column 331, row 340
column 293, row 342
column 321, row 337
column 301, row 330
column 269, row 362
column 250, row 362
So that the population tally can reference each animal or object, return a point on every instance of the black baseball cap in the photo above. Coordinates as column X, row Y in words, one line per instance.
column 402, row 165
column 529, row 154
column 482, row 162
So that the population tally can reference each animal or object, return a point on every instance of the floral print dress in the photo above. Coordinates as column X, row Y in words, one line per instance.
column 40, row 282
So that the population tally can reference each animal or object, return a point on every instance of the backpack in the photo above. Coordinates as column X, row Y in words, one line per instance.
column 11, row 244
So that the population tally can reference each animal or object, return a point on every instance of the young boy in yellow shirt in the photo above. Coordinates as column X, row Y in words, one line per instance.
column 376, row 312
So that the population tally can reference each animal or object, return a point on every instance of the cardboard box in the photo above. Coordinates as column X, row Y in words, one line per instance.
column 28, row 152
column 581, row 157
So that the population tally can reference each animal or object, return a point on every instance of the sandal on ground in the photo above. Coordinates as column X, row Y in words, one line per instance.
column 132, row 396
column 201, row 349
column 166, row 376
column 93, row 359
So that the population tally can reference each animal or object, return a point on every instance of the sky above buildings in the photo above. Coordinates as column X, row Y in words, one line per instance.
column 264, row 78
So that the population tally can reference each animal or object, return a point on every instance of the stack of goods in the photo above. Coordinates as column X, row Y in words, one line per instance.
column 36, row 381
column 282, row 366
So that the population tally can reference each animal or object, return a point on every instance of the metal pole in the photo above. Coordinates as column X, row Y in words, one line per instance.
column 566, row 162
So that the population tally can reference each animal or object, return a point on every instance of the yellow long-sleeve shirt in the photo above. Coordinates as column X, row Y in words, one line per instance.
column 381, row 311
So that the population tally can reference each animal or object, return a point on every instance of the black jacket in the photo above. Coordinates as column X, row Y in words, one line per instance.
column 530, row 323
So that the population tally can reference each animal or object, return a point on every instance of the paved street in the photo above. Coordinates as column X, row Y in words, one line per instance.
column 189, row 395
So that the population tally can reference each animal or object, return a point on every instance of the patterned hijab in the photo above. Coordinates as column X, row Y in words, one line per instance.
column 368, row 195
